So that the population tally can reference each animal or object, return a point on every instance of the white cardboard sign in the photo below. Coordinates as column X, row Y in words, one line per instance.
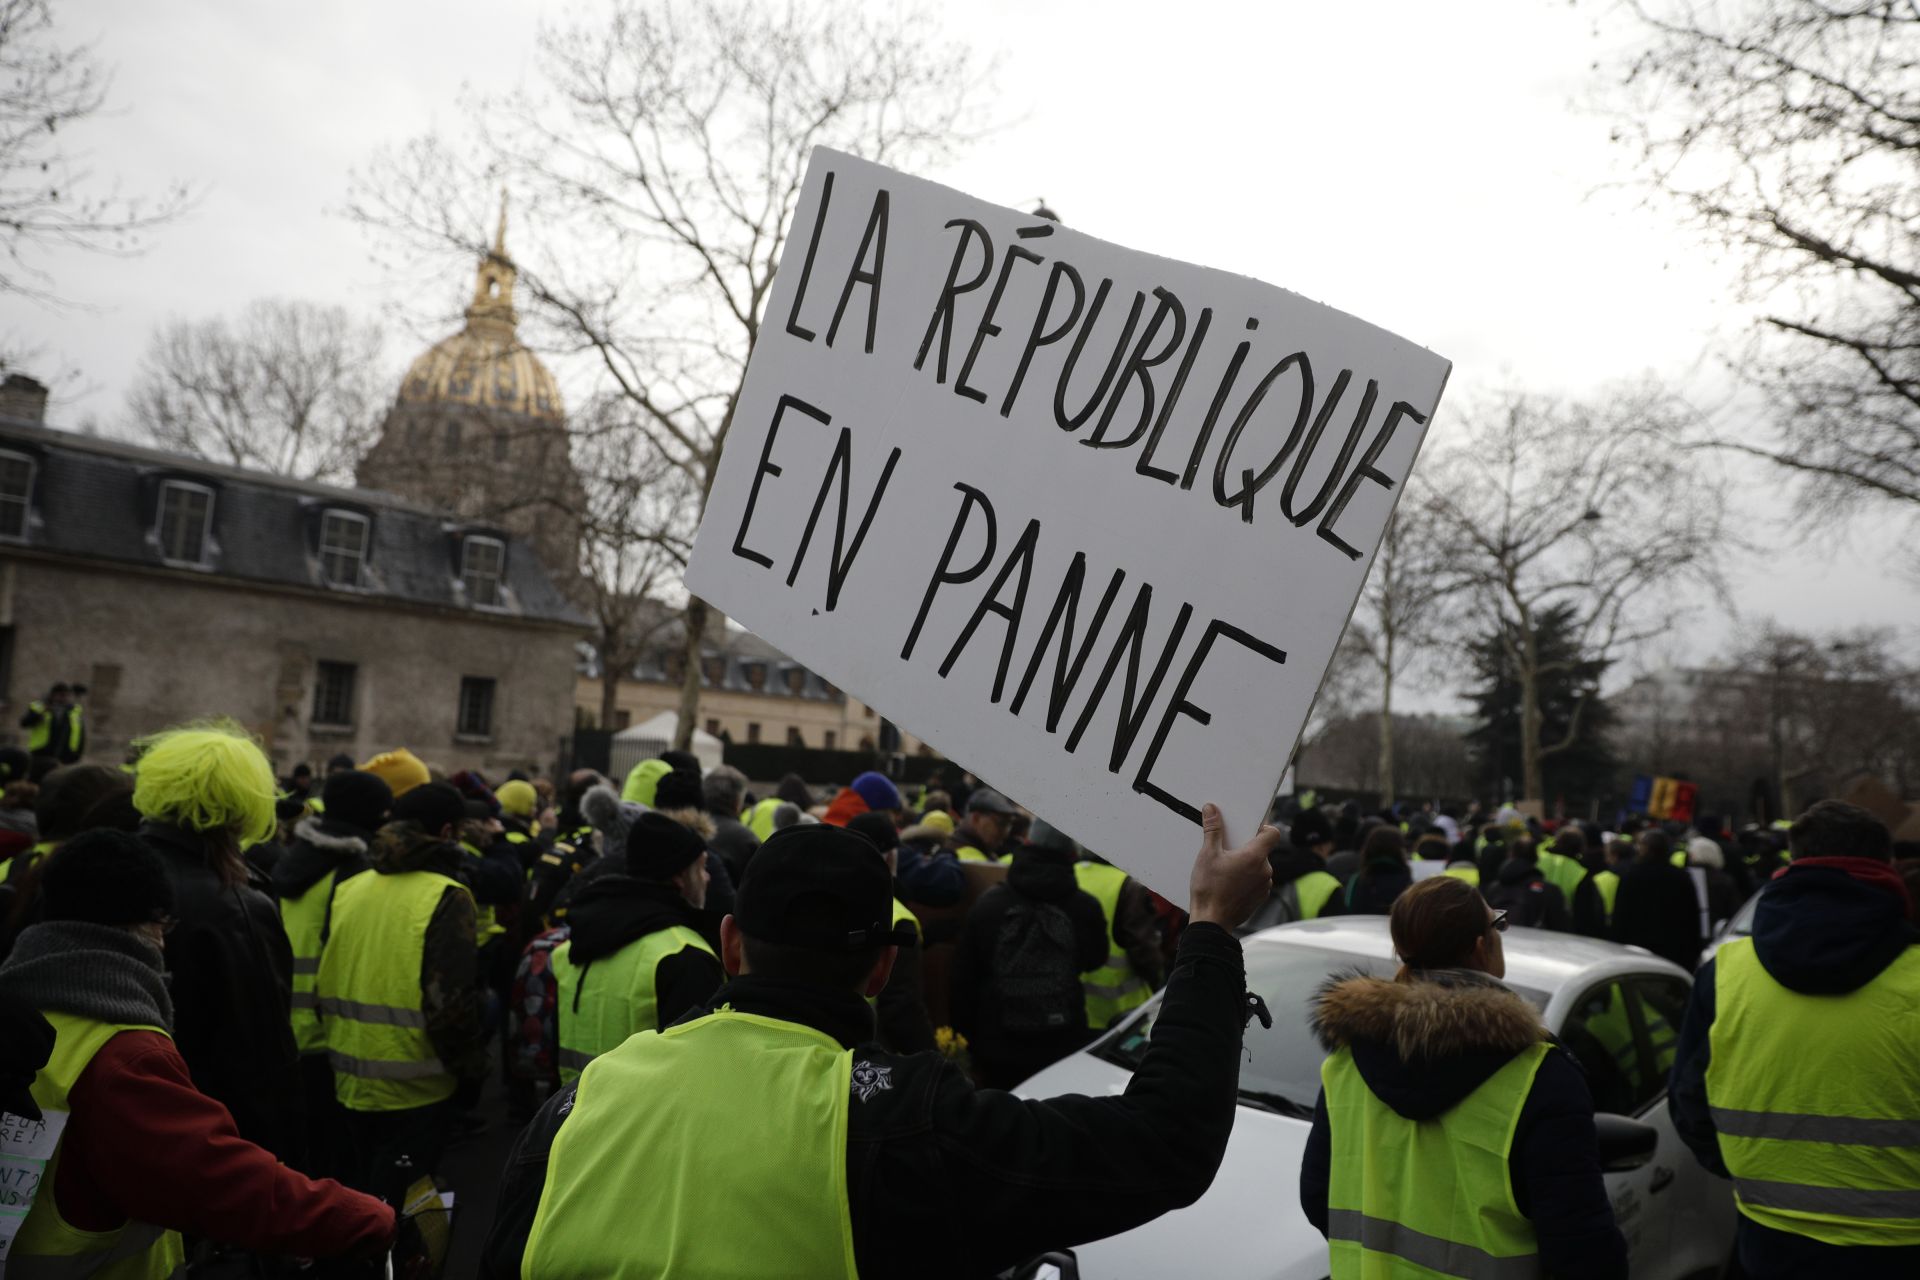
column 1088, row 520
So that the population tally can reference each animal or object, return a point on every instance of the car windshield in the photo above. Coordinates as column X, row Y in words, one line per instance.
column 1281, row 1067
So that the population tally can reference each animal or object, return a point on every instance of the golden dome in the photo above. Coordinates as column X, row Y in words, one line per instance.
column 484, row 365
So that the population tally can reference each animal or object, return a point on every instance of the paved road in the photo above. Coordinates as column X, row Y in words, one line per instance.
column 471, row 1170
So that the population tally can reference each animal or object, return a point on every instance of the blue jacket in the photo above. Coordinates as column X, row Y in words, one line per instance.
column 1821, row 931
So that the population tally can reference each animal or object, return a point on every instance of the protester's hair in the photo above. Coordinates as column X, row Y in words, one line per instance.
column 785, row 815
column 1384, row 842
column 1620, row 851
column 838, row 970
column 934, row 801
column 69, row 793
column 206, row 778
column 1570, row 843
column 1523, row 848
column 1835, row 829
column 1655, row 846
column 1436, row 923
column 722, row 790
column 794, row 790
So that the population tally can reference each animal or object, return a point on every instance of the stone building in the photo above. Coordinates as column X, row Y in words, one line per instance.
column 323, row 619
column 477, row 428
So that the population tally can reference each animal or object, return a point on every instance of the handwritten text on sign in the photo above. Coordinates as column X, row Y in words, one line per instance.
column 1088, row 520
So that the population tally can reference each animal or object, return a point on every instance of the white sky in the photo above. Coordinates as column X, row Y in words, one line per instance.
column 1425, row 166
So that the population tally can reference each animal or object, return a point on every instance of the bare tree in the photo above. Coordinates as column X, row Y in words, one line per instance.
column 48, row 199
column 1593, row 509
column 1789, row 133
column 1401, row 614
column 291, row 388
column 662, row 155
column 634, row 540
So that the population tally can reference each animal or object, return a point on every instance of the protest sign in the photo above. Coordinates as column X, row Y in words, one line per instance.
column 1088, row 520
column 26, row 1148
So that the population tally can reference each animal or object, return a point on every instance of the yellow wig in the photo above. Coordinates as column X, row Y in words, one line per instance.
column 207, row 777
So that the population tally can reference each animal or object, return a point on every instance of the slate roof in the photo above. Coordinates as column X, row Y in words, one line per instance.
column 96, row 499
column 732, row 651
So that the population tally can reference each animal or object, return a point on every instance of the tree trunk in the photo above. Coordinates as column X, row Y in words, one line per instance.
column 1531, row 784
column 696, row 625
column 1386, row 744
column 610, row 673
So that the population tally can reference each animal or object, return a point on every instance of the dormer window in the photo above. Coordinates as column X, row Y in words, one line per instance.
column 483, row 563
column 16, row 495
column 186, row 523
column 344, row 540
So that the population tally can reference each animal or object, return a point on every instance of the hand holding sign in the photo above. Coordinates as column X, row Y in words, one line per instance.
column 1228, row 885
column 1088, row 520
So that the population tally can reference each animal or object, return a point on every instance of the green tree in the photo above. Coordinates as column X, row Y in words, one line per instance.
column 1574, row 760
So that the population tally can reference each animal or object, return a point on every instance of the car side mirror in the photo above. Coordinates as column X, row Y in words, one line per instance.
column 1625, row 1143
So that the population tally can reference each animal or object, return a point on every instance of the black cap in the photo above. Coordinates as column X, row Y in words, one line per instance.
column 338, row 762
column 357, row 798
column 819, row 887
column 434, row 805
column 106, row 877
column 1310, row 827
column 987, row 800
column 658, row 848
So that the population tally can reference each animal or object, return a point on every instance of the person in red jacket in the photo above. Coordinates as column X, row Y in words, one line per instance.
column 144, row 1157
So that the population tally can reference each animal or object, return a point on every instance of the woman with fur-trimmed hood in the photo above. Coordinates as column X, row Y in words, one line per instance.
column 1410, row 1155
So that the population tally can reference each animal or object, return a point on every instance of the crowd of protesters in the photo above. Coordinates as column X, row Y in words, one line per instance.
column 268, row 1006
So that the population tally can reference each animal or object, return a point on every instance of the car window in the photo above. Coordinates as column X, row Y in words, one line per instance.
column 1281, row 1065
column 1607, row 1030
column 1662, row 1004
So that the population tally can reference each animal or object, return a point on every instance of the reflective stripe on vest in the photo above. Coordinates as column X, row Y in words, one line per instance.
column 369, row 996
column 1380, row 1198
column 599, row 1004
column 1114, row 988
column 732, row 1100
column 1816, row 1103
column 305, row 919
column 48, row 1247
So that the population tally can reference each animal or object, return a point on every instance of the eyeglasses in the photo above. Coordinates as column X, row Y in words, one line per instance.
column 1499, row 922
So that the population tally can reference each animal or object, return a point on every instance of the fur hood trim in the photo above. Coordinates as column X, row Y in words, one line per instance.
column 697, row 821
column 1438, row 1015
column 308, row 829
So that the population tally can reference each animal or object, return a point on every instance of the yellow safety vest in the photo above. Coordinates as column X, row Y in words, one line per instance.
column 1608, row 883
column 374, row 1021
column 759, row 819
column 734, row 1100
column 1816, row 1101
column 1114, row 988
column 1467, row 871
column 1313, row 890
column 40, row 735
column 619, row 1001
column 1430, row 1197
column 900, row 916
column 967, row 853
column 305, row 920
column 48, row 1247
column 1563, row 873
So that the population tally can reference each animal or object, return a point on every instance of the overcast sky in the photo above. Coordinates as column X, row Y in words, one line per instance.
column 1427, row 167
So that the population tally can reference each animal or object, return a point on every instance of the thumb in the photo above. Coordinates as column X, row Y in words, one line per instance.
column 1213, row 831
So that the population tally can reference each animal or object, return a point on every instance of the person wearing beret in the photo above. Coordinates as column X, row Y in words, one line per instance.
column 796, row 1146
column 144, row 1156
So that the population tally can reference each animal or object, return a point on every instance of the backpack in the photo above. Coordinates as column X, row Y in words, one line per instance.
column 1525, row 903
column 1033, row 968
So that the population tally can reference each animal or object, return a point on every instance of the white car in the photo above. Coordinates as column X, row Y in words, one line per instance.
column 1678, row 1219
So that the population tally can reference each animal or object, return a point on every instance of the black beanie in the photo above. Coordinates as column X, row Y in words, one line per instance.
column 357, row 798
column 435, row 806
column 658, row 848
column 106, row 877
column 680, row 789
column 683, row 760
column 878, row 828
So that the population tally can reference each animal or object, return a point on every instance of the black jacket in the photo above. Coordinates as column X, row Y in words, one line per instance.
column 1656, row 908
column 1822, row 931
column 1524, row 894
column 734, row 842
column 231, row 971
column 1425, row 1045
column 320, row 845
column 944, row 1179
column 1372, row 890
column 1005, row 1058
column 615, row 910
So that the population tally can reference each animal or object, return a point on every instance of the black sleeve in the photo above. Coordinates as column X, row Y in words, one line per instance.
column 495, row 876
column 1316, row 1167
column 683, row 981
column 1089, row 931
column 1556, row 1177
column 1557, row 917
column 1687, row 1086
column 521, row 1183
column 1589, row 910
column 719, row 887
column 450, row 987
column 905, row 1025
column 1052, row 1173
column 969, row 955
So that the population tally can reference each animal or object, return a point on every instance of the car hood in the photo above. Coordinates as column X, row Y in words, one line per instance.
column 1248, row 1226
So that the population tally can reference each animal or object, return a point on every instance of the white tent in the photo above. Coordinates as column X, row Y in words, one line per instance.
column 650, row 737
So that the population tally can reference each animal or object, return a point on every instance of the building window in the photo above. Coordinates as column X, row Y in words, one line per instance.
column 714, row 669
column 16, row 495
column 830, row 740
column 186, row 517
column 753, row 731
column 344, row 536
column 797, row 680
column 482, row 562
column 333, row 694
column 793, row 737
column 757, row 675
column 476, row 707
column 713, row 726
